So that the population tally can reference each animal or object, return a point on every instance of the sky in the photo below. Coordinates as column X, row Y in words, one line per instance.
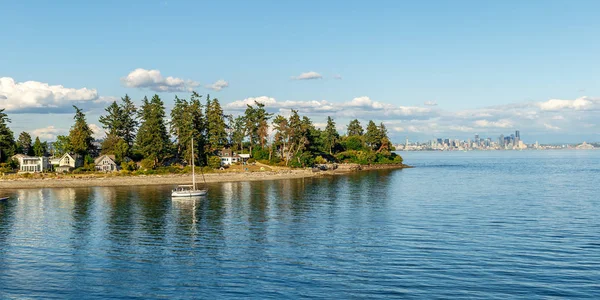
column 426, row 69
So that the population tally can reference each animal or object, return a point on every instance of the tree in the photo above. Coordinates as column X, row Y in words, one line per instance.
column 62, row 145
column 354, row 128
column 331, row 136
column 7, row 140
column 39, row 148
column 181, row 126
column 152, row 138
column 238, row 132
column 282, row 135
column 80, row 136
column 373, row 136
column 113, row 120
column 216, row 127
column 121, row 121
column 24, row 143
column 257, row 126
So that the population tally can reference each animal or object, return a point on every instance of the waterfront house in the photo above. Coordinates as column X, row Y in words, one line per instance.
column 106, row 163
column 32, row 164
column 68, row 162
column 228, row 157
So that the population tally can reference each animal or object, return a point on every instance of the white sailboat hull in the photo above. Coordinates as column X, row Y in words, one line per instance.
column 195, row 193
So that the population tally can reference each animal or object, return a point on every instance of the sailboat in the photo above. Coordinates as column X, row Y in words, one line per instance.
column 190, row 190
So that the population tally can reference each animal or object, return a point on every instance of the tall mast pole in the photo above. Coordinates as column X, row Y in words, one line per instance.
column 193, row 168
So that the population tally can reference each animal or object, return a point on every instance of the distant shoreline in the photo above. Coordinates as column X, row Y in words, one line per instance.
column 176, row 179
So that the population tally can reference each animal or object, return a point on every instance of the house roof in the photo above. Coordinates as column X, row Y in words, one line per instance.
column 101, row 158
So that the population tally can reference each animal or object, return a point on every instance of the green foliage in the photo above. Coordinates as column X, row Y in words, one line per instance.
column 128, row 166
column 80, row 136
column 214, row 162
column 187, row 121
column 260, row 153
column 121, row 121
column 257, row 125
column 302, row 160
column 24, row 144
column 216, row 128
column 354, row 128
column 330, row 136
column 148, row 163
column 62, row 145
column 7, row 140
column 353, row 142
column 39, row 148
column 320, row 160
column 152, row 138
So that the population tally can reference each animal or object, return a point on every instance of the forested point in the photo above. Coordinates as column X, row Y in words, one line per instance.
column 147, row 138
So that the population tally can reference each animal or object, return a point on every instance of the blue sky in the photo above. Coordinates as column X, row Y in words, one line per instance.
column 489, row 67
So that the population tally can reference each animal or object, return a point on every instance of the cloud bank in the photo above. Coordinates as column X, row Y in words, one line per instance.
column 218, row 85
column 153, row 80
column 40, row 97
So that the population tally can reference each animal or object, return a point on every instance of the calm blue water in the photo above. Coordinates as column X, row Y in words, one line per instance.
column 490, row 225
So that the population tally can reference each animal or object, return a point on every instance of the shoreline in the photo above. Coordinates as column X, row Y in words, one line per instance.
column 177, row 179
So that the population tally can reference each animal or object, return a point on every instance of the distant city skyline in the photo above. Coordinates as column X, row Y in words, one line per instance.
column 424, row 69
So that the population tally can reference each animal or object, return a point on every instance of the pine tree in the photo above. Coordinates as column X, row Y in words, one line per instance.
column 129, row 122
column 152, row 138
column 39, row 148
column 7, row 140
column 80, row 136
column 373, row 136
column 217, row 129
column 24, row 143
column 62, row 145
column 354, row 128
column 282, row 135
column 238, row 132
column 331, row 137
column 113, row 120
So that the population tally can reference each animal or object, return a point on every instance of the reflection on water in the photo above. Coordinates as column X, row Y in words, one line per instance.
column 372, row 234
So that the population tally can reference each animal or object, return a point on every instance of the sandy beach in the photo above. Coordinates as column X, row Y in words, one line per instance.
column 175, row 179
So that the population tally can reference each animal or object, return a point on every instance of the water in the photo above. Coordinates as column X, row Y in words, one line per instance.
column 491, row 225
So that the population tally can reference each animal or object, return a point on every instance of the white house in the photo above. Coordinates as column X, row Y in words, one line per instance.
column 32, row 164
column 68, row 162
column 106, row 163
column 229, row 157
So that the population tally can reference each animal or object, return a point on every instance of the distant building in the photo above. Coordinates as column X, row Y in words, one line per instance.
column 106, row 163
column 584, row 146
column 68, row 162
column 32, row 164
column 228, row 157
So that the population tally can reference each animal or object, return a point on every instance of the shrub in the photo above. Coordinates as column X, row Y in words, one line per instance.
column 128, row 166
column 251, row 160
column 147, row 163
column 353, row 143
column 260, row 153
column 214, row 162
column 320, row 160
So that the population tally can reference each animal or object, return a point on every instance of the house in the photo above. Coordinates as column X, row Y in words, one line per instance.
column 32, row 164
column 106, row 163
column 68, row 162
column 228, row 157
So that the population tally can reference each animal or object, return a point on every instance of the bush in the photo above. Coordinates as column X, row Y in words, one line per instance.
column 320, row 160
column 214, row 162
column 260, row 153
column 147, row 163
column 128, row 166
column 251, row 160
column 353, row 143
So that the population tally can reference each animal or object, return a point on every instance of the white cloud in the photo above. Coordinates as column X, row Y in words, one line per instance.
column 551, row 127
column 491, row 124
column 34, row 96
column 97, row 131
column 583, row 103
column 337, row 76
column 153, row 80
column 308, row 76
column 48, row 133
column 218, row 85
column 430, row 103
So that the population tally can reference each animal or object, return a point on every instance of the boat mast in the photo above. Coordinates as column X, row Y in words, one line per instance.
column 193, row 171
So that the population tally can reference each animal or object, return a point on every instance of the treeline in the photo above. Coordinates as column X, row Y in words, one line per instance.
column 149, row 135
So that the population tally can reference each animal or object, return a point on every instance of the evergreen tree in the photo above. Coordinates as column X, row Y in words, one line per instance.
column 129, row 122
column 331, row 136
column 24, row 143
column 113, row 120
column 354, row 128
column 373, row 136
column 238, row 132
column 80, row 136
column 7, row 140
column 39, row 148
column 152, row 138
column 282, row 135
column 181, row 126
column 199, row 129
column 216, row 127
